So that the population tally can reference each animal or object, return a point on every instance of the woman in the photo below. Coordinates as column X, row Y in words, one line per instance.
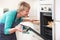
column 10, row 19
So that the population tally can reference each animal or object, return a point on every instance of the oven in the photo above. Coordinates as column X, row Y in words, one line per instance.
column 46, row 22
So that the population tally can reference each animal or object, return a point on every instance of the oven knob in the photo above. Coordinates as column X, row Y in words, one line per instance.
column 49, row 9
column 42, row 8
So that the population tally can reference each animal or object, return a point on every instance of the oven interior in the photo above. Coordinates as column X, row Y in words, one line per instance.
column 46, row 22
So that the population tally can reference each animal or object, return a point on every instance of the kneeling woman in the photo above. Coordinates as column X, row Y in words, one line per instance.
column 10, row 19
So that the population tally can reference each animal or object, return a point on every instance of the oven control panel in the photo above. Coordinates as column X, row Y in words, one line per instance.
column 46, row 8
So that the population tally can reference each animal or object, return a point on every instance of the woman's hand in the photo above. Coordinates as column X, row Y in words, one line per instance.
column 19, row 27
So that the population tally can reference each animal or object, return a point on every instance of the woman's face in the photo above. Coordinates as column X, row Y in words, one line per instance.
column 24, row 12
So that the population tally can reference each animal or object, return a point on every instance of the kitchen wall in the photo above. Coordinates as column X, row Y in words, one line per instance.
column 12, row 4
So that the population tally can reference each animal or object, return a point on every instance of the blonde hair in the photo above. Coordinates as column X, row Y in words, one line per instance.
column 23, row 6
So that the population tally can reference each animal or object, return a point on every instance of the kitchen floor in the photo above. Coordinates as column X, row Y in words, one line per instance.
column 28, row 36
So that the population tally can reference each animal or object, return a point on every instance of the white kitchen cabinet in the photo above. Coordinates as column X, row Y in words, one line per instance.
column 30, row 36
column 36, row 37
column 57, row 31
column 57, row 10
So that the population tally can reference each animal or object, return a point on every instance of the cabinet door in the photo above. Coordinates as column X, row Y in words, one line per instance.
column 57, row 10
column 57, row 31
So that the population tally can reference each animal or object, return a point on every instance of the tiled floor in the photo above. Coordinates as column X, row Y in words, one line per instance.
column 30, row 36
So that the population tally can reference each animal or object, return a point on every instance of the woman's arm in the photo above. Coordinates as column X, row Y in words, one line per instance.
column 12, row 30
column 17, row 28
column 8, row 22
